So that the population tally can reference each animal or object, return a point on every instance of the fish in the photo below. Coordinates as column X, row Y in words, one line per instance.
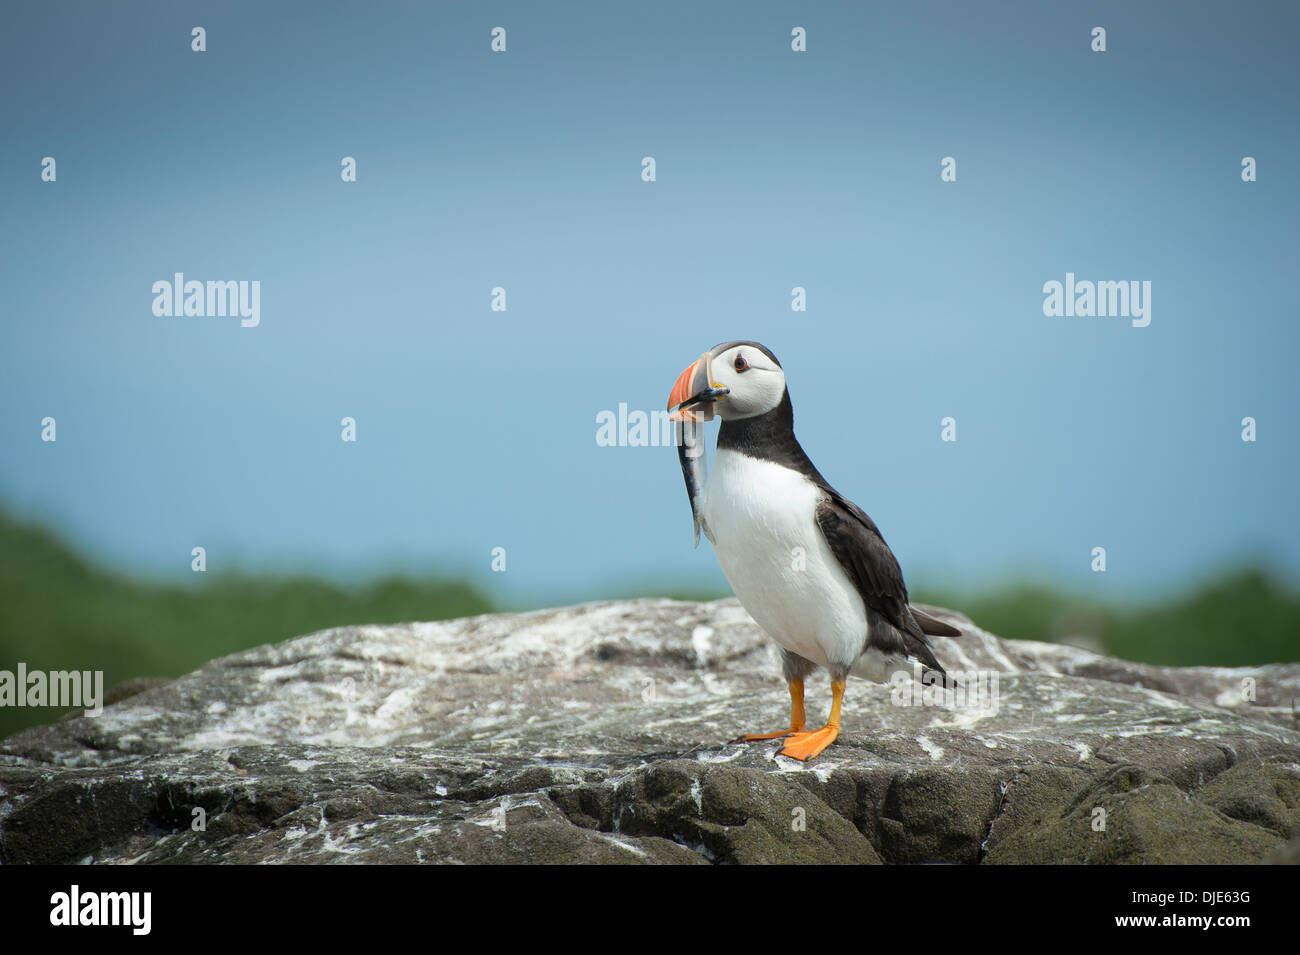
column 695, row 468
column 688, row 416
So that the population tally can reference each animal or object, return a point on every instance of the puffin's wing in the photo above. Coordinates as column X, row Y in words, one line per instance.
column 858, row 545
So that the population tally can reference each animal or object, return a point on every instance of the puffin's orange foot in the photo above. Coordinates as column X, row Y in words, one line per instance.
column 756, row 737
column 805, row 746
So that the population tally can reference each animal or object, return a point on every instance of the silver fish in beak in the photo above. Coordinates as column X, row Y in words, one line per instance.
column 689, row 404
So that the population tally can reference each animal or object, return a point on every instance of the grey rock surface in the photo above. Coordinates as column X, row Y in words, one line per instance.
column 598, row 733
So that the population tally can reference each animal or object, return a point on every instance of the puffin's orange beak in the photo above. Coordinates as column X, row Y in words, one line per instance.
column 695, row 392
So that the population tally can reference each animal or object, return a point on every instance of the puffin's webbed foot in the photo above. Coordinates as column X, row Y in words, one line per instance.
column 805, row 746
column 759, row 737
column 796, row 717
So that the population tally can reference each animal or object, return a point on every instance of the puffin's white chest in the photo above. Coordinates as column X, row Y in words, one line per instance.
column 765, row 535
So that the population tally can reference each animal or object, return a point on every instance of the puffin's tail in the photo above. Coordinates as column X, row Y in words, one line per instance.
column 933, row 626
column 932, row 671
column 920, row 647
column 896, row 645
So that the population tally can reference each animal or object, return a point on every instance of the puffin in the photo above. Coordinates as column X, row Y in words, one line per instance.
column 808, row 564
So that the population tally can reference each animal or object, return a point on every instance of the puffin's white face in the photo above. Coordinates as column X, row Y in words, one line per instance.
column 755, row 382
column 737, row 379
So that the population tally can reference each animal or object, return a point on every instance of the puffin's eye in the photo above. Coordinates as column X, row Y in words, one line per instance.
column 741, row 364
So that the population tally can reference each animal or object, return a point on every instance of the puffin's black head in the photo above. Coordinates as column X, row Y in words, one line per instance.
column 738, row 379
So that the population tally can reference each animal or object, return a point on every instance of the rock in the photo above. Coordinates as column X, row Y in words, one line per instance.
column 597, row 734
column 1133, row 816
column 1288, row 854
column 1266, row 794
column 725, row 813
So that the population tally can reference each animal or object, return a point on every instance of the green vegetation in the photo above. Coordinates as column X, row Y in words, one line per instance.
column 1240, row 618
column 59, row 612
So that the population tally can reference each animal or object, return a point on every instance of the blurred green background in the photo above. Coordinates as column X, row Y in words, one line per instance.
column 60, row 611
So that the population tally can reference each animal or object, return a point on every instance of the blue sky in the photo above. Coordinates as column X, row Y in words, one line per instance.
column 775, row 169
